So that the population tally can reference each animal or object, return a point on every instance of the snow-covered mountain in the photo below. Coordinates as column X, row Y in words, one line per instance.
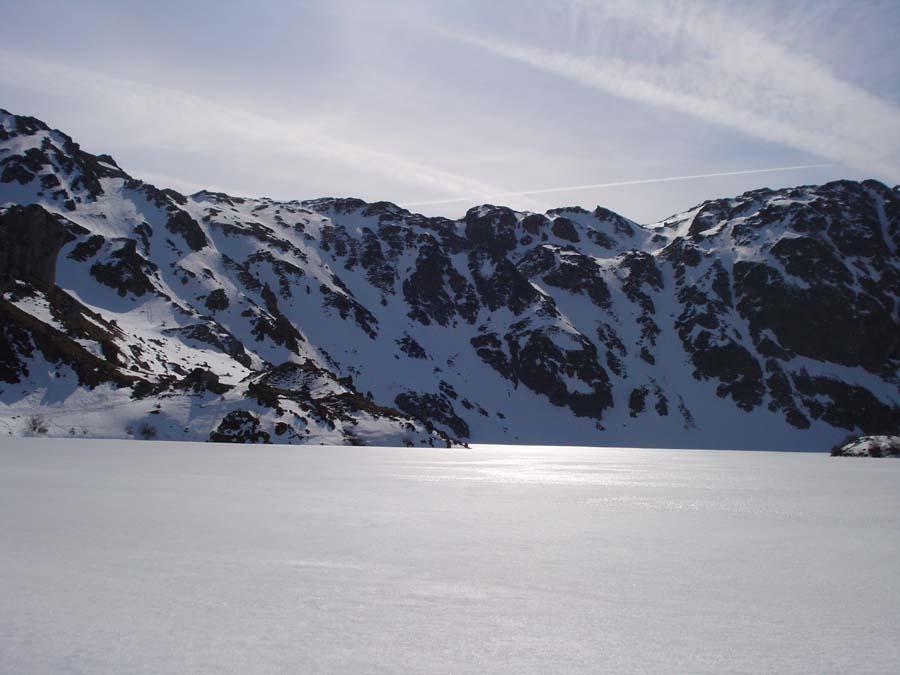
column 771, row 320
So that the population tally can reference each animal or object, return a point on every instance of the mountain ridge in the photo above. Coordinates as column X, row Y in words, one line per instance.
column 767, row 320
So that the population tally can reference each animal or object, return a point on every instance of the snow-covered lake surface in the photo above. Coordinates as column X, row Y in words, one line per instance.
column 127, row 557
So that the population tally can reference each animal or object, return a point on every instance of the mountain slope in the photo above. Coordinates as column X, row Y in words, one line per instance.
column 765, row 321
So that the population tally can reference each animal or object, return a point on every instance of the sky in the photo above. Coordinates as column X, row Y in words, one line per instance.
column 439, row 105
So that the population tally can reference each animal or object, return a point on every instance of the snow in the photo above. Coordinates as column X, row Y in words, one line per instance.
column 176, row 557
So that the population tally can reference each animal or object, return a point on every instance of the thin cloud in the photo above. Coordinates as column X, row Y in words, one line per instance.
column 716, row 68
column 594, row 186
column 160, row 116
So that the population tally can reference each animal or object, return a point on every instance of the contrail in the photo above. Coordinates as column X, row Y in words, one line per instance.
column 643, row 181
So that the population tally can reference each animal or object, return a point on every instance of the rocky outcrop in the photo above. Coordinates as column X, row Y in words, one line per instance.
column 868, row 446
column 180, row 223
column 433, row 409
column 436, row 291
column 215, row 336
column 239, row 426
column 23, row 337
column 30, row 241
column 125, row 270
column 567, row 269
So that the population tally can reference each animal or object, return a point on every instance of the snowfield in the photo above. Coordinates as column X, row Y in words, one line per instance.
column 131, row 557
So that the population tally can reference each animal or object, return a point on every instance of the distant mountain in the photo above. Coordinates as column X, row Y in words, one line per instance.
column 770, row 320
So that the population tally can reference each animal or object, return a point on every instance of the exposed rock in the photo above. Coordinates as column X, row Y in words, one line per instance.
column 412, row 348
column 846, row 406
column 821, row 321
column 570, row 270
column 565, row 229
column 200, row 380
column 217, row 300
column 347, row 305
column 492, row 229
column 88, row 248
column 239, row 426
column 215, row 336
column 179, row 222
column 433, row 409
column 21, row 334
column 868, row 446
column 500, row 284
column 436, row 291
column 276, row 326
column 30, row 241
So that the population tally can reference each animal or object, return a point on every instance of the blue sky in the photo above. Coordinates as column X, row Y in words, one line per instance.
column 441, row 105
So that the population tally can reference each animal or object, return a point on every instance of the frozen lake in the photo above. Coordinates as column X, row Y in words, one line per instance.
column 194, row 558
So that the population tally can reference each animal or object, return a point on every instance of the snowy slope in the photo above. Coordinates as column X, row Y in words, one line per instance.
column 765, row 321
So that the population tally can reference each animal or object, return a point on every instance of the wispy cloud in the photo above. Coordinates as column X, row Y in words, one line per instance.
column 622, row 183
column 172, row 118
column 715, row 67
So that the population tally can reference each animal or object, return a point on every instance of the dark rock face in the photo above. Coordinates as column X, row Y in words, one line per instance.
column 87, row 249
column 239, row 426
column 615, row 348
column 380, row 271
column 22, row 335
column 200, row 380
column 125, row 270
column 325, row 400
column 637, row 400
column 565, row 229
column 217, row 301
column 620, row 225
column 30, row 241
column 216, row 337
column 275, row 325
column 436, row 291
column 640, row 276
column 707, row 218
column 179, row 222
column 532, row 358
column 500, row 284
column 535, row 224
column 433, row 409
column 706, row 334
column 783, row 396
column 822, row 322
column 868, row 446
column 641, row 272
column 570, row 270
column 814, row 261
column 541, row 366
column 823, row 289
column 847, row 406
column 56, row 153
column 412, row 348
column 346, row 306
column 734, row 366
column 491, row 229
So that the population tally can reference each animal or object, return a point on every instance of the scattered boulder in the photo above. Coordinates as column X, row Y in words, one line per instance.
column 239, row 426
column 868, row 446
